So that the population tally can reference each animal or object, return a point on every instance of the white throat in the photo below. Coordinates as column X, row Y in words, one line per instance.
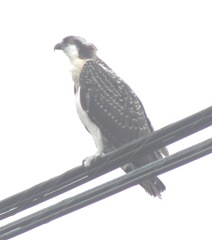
column 72, row 52
column 76, row 63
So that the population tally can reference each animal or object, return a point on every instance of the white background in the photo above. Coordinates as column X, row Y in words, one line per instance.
column 163, row 49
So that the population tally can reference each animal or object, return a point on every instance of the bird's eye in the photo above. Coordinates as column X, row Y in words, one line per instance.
column 67, row 40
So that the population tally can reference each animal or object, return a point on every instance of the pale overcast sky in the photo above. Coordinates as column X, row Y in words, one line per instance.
column 163, row 49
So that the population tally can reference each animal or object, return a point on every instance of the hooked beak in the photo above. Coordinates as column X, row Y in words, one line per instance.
column 58, row 46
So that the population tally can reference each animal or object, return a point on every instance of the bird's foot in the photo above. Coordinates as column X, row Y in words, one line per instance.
column 92, row 160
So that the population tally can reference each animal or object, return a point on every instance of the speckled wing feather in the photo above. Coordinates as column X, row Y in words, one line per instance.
column 111, row 104
column 116, row 110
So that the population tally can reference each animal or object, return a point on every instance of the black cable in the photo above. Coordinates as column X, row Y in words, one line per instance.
column 79, row 175
column 105, row 190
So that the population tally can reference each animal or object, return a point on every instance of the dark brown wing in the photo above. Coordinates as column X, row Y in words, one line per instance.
column 111, row 104
column 116, row 110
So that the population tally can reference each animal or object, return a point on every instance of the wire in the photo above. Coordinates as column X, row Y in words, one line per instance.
column 105, row 190
column 79, row 175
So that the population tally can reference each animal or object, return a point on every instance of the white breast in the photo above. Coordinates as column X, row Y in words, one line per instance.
column 92, row 127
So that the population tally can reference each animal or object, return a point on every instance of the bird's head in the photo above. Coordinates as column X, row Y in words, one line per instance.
column 76, row 48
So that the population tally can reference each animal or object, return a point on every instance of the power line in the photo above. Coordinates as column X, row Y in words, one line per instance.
column 105, row 190
column 79, row 175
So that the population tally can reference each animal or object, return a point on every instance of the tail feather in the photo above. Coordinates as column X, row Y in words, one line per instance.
column 153, row 186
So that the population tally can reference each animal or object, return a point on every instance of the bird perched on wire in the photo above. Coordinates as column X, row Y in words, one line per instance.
column 107, row 106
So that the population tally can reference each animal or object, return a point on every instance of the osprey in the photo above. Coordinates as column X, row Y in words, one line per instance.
column 107, row 106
